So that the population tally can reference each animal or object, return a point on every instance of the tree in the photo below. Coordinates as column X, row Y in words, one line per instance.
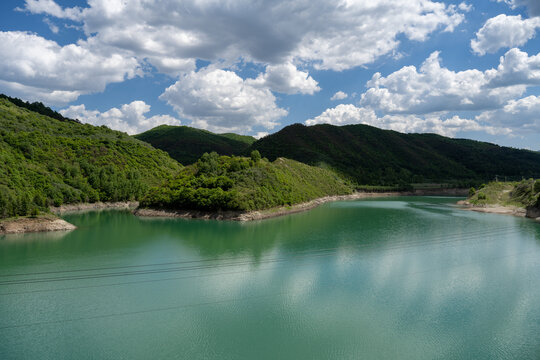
column 255, row 156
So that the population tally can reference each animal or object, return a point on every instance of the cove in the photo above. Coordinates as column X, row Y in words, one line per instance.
column 389, row 278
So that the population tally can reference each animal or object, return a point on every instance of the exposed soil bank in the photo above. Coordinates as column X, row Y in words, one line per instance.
column 285, row 210
column 37, row 224
column 68, row 208
column 530, row 212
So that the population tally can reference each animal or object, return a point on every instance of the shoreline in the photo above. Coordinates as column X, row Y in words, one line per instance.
column 51, row 222
column 285, row 210
column 41, row 223
column 529, row 213
column 81, row 207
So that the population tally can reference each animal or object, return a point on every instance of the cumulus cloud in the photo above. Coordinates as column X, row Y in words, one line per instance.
column 327, row 35
column 129, row 118
column 41, row 69
column 433, row 88
column 220, row 100
column 504, row 31
column 345, row 114
column 515, row 68
column 287, row 79
column 340, row 95
column 523, row 115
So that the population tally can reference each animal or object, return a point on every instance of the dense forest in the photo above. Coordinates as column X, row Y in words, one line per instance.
column 369, row 155
column 240, row 183
column 187, row 144
column 46, row 161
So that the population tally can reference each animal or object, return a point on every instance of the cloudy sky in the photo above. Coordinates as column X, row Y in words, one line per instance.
column 462, row 69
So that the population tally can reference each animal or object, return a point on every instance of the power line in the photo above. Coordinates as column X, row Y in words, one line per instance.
column 305, row 254
column 208, row 260
column 184, row 306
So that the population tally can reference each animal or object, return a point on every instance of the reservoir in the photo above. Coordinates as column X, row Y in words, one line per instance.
column 392, row 278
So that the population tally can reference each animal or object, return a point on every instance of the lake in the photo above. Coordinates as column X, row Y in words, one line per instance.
column 392, row 278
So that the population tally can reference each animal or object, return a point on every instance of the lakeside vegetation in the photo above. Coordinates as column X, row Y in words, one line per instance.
column 46, row 161
column 244, row 184
column 525, row 193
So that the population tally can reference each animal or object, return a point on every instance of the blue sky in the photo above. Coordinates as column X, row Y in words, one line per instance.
column 458, row 68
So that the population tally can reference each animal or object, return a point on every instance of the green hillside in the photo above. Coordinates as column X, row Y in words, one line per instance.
column 187, row 144
column 46, row 161
column 239, row 183
column 369, row 155
column 523, row 194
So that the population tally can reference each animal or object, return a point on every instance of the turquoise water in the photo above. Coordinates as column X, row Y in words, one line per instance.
column 396, row 278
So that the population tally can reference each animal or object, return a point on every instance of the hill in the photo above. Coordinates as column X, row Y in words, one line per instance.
column 46, row 161
column 187, row 144
column 240, row 183
column 523, row 194
column 369, row 155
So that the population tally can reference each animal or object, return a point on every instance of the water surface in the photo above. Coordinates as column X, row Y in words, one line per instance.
column 396, row 278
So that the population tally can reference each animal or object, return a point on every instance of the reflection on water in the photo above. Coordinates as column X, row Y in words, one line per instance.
column 377, row 279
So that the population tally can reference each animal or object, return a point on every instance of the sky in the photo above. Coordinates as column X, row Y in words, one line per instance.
column 464, row 69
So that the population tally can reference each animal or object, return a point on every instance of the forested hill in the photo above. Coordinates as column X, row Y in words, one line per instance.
column 239, row 183
column 46, row 161
column 187, row 144
column 373, row 156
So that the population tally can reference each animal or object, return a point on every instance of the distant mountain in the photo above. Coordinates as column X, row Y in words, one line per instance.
column 187, row 144
column 370, row 155
column 47, row 161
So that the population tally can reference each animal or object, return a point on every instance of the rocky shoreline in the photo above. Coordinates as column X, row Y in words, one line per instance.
column 529, row 212
column 70, row 208
column 34, row 224
column 53, row 223
column 285, row 210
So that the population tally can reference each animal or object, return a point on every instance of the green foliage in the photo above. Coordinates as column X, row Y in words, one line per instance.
column 239, row 183
column 521, row 194
column 46, row 161
column 472, row 191
column 186, row 144
column 372, row 156
column 255, row 156
column 242, row 138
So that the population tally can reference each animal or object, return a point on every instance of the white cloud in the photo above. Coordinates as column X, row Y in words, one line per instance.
column 533, row 6
column 523, row 115
column 349, row 114
column 221, row 101
column 34, row 67
column 504, row 31
column 465, row 7
column 433, row 88
column 261, row 134
column 344, row 114
column 50, row 7
column 287, row 79
column 340, row 95
column 327, row 35
column 129, row 118
column 515, row 68
column 52, row 26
